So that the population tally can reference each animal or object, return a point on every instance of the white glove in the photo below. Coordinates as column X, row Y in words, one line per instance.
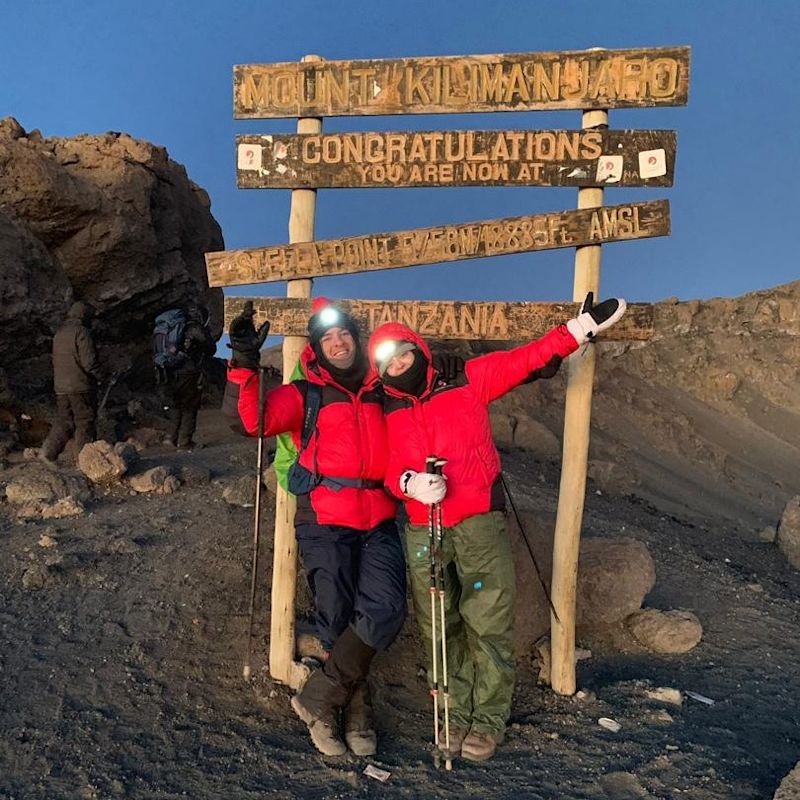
column 594, row 319
column 423, row 487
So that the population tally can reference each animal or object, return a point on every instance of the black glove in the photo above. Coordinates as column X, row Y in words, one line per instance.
column 263, row 332
column 448, row 366
column 246, row 342
column 547, row 371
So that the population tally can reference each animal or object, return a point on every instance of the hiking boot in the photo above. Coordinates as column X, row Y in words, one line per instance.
column 189, row 446
column 318, row 704
column 457, row 736
column 323, row 732
column 359, row 727
column 479, row 746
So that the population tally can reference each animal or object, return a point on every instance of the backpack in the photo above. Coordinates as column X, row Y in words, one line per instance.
column 168, row 352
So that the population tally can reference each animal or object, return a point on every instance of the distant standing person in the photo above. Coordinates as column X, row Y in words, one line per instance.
column 188, row 342
column 76, row 373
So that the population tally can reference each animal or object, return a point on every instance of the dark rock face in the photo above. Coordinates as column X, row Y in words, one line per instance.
column 35, row 296
column 105, row 219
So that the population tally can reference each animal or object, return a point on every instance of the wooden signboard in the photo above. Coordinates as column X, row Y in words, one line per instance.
column 456, row 158
column 580, row 79
column 436, row 245
column 499, row 321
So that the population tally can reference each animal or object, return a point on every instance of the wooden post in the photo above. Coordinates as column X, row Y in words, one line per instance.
column 572, row 491
column 282, row 664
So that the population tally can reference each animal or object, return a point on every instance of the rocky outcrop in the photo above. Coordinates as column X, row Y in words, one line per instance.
column 710, row 401
column 107, row 219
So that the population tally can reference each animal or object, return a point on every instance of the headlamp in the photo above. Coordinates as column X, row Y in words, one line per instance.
column 385, row 351
column 328, row 317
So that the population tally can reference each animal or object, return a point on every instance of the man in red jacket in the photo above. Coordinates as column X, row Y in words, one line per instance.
column 426, row 415
column 345, row 520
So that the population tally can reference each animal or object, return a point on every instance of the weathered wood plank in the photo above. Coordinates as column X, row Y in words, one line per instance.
column 451, row 319
column 497, row 237
column 458, row 84
column 456, row 158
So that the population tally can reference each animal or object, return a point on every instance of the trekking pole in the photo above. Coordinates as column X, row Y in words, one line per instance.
column 111, row 382
column 528, row 545
column 256, row 522
column 448, row 761
column 430, row 468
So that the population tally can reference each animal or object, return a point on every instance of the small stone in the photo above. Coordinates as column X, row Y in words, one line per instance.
column 665, row 631
column 622, row 786
column 665, row 694
column 150, row 481
column 35, row 577
column 47, row 541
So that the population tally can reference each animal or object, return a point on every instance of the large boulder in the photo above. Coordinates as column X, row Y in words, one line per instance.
column 614, row 575
column 107, row 219
column 38, row 484
column 41, row 493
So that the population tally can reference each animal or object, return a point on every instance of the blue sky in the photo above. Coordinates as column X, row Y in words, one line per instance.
column 162, row 71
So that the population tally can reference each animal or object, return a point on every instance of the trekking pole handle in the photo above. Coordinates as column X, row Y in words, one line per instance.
column 430, row 464
column 438, row 465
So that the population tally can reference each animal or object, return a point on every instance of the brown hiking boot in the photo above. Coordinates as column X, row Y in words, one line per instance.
column 479, row 746
column 318, row 704
column 324, row 733
column 359, row 727
column 457, row 736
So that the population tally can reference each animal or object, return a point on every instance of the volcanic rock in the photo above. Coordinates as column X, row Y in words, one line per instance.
column 788, row 536
column 665, row 631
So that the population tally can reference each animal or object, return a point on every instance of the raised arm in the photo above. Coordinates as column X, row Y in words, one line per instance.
column 495, row 374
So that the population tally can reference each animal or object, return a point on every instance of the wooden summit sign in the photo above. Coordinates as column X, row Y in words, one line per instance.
column 581, row 79
column 456, row 158
column 448, row 319
column 435, row 245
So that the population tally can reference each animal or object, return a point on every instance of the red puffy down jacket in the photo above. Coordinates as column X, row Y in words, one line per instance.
column 451, row 420
column 350, row 442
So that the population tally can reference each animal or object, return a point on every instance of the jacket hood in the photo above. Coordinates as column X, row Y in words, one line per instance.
column 80, row 311
column 397, row 332
column 316, row 372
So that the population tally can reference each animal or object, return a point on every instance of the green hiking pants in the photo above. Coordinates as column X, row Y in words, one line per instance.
column 479, row 616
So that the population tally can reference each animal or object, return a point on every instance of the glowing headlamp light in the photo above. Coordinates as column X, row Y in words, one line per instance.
column 385, row 351
column 328, row 317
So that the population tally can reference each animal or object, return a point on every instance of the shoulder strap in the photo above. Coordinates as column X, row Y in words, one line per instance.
column 312, row 406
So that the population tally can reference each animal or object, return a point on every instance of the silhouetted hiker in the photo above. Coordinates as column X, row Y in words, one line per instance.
column 181, row 344
column 76, row 373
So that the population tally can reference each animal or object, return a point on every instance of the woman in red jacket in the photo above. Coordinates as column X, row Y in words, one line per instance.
column 345, row 520
column 426, row 416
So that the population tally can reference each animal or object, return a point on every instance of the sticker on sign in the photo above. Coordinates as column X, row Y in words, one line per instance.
column 609, row 169
column 652, row 163
column 248, row 156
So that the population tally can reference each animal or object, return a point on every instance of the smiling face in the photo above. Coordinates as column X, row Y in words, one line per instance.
column 400, row 364
column 339, row 347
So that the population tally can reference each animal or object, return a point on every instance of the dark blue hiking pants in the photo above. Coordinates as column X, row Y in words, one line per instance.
column 358, row 578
